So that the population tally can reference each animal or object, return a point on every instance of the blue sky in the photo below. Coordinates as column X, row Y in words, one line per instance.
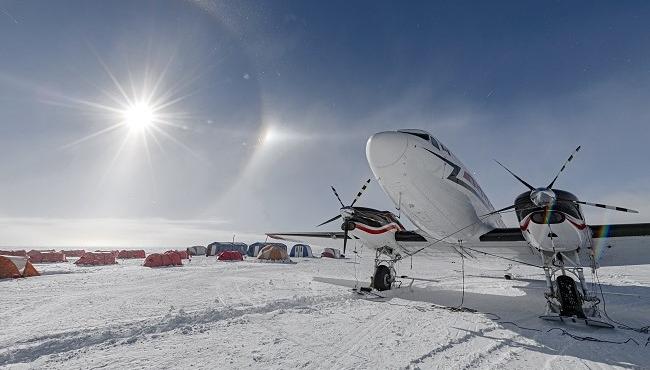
column 522, row 82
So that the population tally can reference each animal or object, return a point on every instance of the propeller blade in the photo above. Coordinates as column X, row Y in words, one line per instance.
column 498, row 211
column 614, row 208
column 530, row 187
column 337, row 196
column 345, row 239
column 607, row 206
column 363, row 188
column 330, row 220
column 563, row 167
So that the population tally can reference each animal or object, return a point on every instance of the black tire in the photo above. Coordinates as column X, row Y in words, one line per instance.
column 382, row 279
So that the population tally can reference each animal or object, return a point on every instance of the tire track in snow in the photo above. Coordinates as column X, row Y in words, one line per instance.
column 451, row 344
column 34, row 348
column 491, row 352
column 352, row 344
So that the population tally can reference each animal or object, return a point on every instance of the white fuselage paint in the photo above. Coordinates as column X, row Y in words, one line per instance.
column 430, row 185
column 565, row 236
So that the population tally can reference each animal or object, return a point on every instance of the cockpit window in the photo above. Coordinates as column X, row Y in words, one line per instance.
column 423, row 136
column 547, row 217
column 569, row 208
column 524, row 208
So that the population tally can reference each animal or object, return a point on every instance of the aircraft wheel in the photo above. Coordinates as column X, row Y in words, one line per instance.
column 382, row 279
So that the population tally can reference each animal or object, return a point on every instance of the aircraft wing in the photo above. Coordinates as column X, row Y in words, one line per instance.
column 514, row 250
column 327, row 239
column 614, row 245
column 334, row 239
column 621, row 244
column 506, row 244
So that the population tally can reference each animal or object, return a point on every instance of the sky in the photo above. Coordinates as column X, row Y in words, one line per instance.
column 258, row 107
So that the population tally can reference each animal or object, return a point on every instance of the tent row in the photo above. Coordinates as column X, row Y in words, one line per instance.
column 215, row 248
column 253, row 250
column 273, row 253
column 19, row 263
column 23, row 253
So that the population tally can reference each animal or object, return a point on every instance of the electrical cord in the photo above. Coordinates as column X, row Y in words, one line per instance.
column 642, row 330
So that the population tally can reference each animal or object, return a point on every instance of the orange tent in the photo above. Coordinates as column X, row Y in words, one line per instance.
column 183, row 254
column 127, row 254
column 170, row 258
column 15, row 267
column 73, row 253
column 273, row 253
column 21, row 253
column 230, row 256
column 96, row 259
column 46, row 256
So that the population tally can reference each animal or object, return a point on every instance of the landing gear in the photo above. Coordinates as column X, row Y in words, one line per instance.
column 384, row 275
column 570, row 299
column 566, row 299
column 383, row 279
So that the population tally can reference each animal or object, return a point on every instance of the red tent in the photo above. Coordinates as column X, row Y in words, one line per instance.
column 230, row 256
column 20, row 253
column 73, row 253
column 183, row 254
column 96, row 259
column 46, row 256
column 136, row 253
column 16, row 267
column 170, row 258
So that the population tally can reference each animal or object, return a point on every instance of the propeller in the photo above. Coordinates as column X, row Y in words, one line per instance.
column 330, row 220
column 563, row 167
column 346, row 212
column 599, row 205
column 546, row 197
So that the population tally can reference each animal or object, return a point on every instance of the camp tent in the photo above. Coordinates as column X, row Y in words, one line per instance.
column 301, row 250
column 183, row 254
column 96, row 259
column 20, row 253
column 255, row 248
column 273, row 253
column 73, row 253
column 215, row 248
column 49, row 256
column 331, row 253
column 197, row 250
column 15, row 267
column 170, row 258
column 230, row 256
column 128, row 254
column 115, row 253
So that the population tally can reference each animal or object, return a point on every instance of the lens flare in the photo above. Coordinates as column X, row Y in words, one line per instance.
column 139, row 116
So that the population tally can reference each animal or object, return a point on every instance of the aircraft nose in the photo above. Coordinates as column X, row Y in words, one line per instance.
column 385, row 148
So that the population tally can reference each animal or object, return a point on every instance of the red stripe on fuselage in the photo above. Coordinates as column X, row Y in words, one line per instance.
column 578, row 226
column 525, row 224
column 384, row 229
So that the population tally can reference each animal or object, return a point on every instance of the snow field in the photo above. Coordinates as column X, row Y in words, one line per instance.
column 209, row 314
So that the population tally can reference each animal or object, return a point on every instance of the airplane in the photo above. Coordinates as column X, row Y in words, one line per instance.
column 430, row 186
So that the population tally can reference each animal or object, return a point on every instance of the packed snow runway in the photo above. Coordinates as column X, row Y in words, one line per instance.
column 209, row 314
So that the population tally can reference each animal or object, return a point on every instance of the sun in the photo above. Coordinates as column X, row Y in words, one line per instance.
column 139, row 116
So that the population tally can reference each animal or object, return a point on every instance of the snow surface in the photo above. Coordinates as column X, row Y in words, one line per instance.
column 210, row 314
